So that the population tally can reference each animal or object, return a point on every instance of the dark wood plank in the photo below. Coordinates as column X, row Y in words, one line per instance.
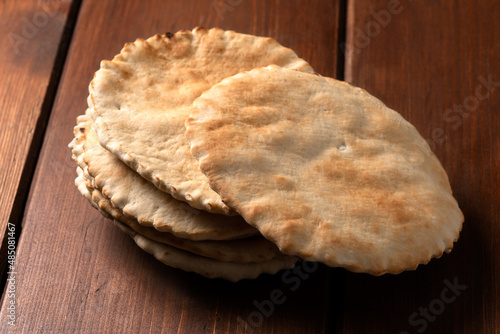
column 31, row 34
column 429, row 60
column 75, row 271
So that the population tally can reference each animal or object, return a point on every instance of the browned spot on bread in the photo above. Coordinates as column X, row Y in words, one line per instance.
column 283, row 183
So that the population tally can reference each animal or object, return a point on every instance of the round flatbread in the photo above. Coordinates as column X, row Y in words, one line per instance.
column 140, row 100
column 204, row 266
column 253, row 249
column 324, row 170
column 140, row 200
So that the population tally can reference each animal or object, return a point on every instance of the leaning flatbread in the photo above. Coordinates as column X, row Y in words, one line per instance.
column 324, row 170
column 204, row 266
column 140, row 100
column 140, row 200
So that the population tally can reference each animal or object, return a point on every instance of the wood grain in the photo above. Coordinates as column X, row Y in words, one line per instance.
column 78, row 273
column 32, row 32
column 426, row 59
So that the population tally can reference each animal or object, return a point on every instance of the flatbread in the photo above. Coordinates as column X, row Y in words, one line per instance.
column 140, row 100
column 193, row 262
column 140, row 200
column 324, row 170
column 253, row 249
column 209, row 268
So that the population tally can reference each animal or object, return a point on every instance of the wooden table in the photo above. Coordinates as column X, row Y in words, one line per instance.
column 436, row 62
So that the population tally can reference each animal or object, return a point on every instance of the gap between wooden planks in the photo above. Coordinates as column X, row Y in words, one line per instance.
column 36, row 38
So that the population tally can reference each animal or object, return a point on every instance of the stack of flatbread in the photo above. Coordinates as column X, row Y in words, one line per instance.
column 225, row 154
